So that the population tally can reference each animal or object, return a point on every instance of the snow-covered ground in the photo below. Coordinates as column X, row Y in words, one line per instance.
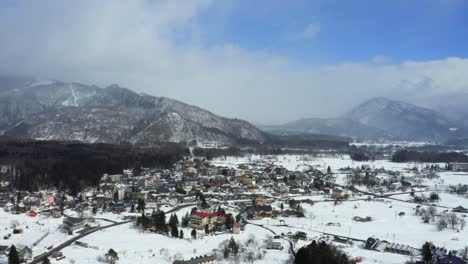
column 322, row 217
column 133, row 245
column 304, row 162
column 33, row 229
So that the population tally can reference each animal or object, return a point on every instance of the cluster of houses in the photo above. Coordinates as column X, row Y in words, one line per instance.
column 251, row 186
column 180, row 184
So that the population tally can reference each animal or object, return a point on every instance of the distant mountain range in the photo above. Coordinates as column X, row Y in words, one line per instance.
column 56, row 110
column 382, row 119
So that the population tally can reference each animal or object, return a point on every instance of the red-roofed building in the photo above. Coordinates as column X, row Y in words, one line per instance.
column 236, row 228
column 202, row 219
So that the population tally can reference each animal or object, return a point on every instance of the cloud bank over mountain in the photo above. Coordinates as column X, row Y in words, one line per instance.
column 158, row 47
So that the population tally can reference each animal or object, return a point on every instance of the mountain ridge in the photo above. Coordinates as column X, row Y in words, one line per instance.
column 74, row 111
column 379, row 119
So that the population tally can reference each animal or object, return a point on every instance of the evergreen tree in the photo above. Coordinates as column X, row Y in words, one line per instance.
column 116, row 196
column 320, row 253
column 174, row 231
column 238, row 218
column 427, row 252
column 185, row 220
column 181, row 234
column 154, row 218
column 173, row 221
column 112, row 256
column 328, row 170
column 229, row 222
column 194, row 234
column 234, row 248
column 141, row 205
column 13, row 257
column 204, row 204
column 160, row 221
column 144, row 221
column 46, row 261
column 62, row 204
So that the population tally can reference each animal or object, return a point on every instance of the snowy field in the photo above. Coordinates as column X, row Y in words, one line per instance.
column 305, row 162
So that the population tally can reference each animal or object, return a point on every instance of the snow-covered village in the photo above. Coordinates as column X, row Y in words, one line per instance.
column 233, row 132
column 246, row 209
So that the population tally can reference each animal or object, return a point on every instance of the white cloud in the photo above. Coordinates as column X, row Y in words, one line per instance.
column 310, row 32
column 132, row 43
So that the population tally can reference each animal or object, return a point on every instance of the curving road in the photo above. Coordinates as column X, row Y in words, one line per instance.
column 40, row 258
column 70, row 241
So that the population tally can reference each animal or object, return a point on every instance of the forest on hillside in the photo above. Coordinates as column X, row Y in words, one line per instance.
column 74, row 165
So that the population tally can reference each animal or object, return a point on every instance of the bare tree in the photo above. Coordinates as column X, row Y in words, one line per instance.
column 452, row 220
column 441, row 223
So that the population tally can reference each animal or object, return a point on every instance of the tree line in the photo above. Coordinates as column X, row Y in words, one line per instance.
column 428, row 156
column 73, row 166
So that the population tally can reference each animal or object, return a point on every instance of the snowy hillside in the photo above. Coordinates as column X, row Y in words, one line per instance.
column 57, row 110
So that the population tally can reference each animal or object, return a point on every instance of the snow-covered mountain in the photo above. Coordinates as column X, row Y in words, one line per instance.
column 381, row 119
column 58, row 110
column 343, row 127
column 402, row 120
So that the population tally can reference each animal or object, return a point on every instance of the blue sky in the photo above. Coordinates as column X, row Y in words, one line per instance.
column 267, row 61
column 348, row 30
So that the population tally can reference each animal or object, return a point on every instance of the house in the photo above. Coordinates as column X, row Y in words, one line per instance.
column 460, row 209
column 202, row 219
column 152, row 202
column 371, row 243
column 338, row 194
column 458, row 166
column 4, row 250
column 116, row 178
column 32, row 204
column 401, row 249
column 25, row 253
column 119, row 207
column 405, row 184
column 246, row 180
column 56, row 213
column 396, row 185
column 260, row 201
column 275, row 245
column 252, row 189
column 260, row 211
column 198, row 260
column 236, row 228
column 441, row 258
column 300, row 235
column 72, row 224
column 384, row 246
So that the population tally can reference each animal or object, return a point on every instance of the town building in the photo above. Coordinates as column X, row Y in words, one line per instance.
column 200, row 220
column 458, row 166
column 236, row 228
column 72, row 224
